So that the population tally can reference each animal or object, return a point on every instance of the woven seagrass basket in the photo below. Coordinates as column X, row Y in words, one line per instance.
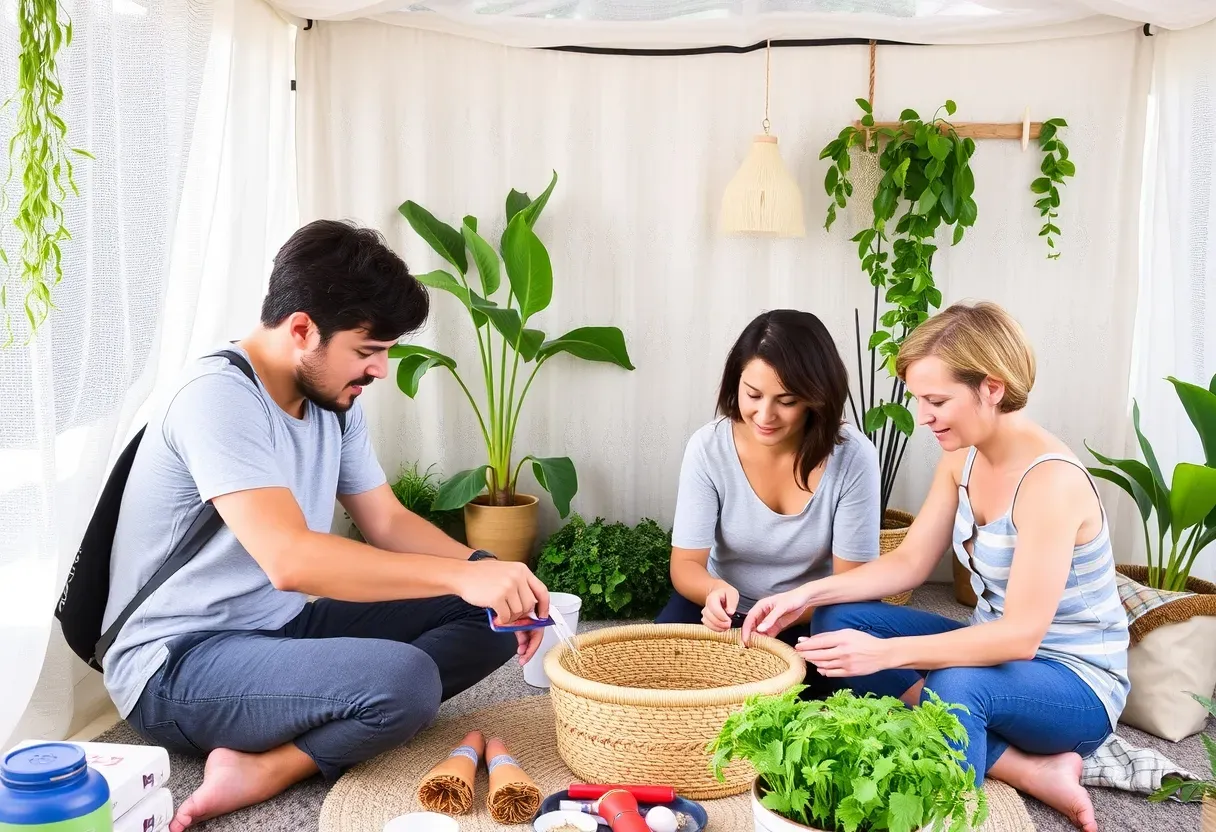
column 640, row 703
column 895, row 525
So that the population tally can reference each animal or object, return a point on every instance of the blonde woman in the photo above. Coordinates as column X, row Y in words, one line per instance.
column 1042, row 665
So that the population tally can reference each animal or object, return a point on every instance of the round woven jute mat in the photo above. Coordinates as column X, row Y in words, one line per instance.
column 375, row 792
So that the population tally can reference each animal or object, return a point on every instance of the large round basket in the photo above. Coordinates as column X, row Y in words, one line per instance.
column 641, row 703
column 895, row 525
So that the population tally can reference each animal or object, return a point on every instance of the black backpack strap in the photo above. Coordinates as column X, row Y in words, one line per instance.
column 204, row 527
column 241, row 364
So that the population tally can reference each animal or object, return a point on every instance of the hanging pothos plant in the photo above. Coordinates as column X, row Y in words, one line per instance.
column 1056, row 168
column 926, row 183
column 40, row 155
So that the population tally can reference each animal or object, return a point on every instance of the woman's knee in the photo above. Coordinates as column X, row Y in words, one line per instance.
column 853, row 616
column 955, row 686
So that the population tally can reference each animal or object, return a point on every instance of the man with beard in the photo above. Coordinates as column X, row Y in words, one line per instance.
column 229, row 657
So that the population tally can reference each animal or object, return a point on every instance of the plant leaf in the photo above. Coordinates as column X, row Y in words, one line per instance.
column 864, row 105
column 950, row 107
column 461, row 489
column 1041, row 185
column 591, row 343
column 1200, row 406
column 874, row 419
column 532, row 211
column 445, row 240
column 557, row 476
column 516, row 202
column 906, row 811
column 439, row 279
column 1140, row 486
column 1192, row 496
column 485, row 258
column 528, row 266
column 508, row 324
column 1144, row 501
column 878, row 337
column 1161, row 495
column 958, row 234
column 901, row 416
column 415, row 361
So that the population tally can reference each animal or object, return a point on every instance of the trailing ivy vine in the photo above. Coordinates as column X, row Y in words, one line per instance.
column 928, row 182
column 39, row 152
column 1056, row 168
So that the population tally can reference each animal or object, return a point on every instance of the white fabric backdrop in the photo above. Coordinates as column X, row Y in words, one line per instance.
column 644, row 147
column 151, row 94
column 1176, row 322
column 693, row 23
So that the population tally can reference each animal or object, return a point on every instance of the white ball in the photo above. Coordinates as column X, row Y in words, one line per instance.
column 661, row 819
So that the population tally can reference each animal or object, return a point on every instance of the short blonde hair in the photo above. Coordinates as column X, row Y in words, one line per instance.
column 975, row 342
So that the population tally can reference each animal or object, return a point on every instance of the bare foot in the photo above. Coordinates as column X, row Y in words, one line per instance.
column 1055, row 780
column 233, row 780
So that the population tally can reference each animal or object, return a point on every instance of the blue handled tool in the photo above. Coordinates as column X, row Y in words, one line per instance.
column 534, row 624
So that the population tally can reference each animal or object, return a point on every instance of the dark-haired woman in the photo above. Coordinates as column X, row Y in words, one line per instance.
column 778, row 490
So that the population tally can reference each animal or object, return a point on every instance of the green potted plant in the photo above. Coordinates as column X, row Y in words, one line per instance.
column 498, row 516
column 619, row 572
column 1175, row 651
column 852, row 764
column 1190, row 791
column 926, row 184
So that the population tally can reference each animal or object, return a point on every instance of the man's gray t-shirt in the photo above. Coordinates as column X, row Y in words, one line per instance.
column 219, row 433
column 753, row 548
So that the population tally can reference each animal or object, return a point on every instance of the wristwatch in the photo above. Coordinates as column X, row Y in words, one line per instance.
column 481, row 554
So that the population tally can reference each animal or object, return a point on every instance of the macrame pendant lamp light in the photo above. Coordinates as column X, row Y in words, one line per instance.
column 763, row 198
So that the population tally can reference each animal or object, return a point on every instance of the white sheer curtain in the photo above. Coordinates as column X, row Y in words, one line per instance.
column 694, row 23
column 1176, row 316
column 191, row 193
column 644, row 147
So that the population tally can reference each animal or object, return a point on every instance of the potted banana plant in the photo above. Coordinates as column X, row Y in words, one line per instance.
column 499, row 517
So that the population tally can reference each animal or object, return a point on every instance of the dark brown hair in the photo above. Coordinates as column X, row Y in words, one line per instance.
column 801, row 351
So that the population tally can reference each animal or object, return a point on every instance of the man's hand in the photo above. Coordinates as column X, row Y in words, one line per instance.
column 773, row 614
column 846, row 653
column 529, row 641
column 510, row 589
column 720, row 605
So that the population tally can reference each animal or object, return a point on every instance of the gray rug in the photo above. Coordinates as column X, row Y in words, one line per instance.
column 297, row 809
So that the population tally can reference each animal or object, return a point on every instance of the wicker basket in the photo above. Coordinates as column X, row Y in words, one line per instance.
column 640, row 703
column 895, row 525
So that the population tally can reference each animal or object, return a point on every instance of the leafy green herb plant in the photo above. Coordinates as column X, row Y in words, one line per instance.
column 618, row 571
column 926, row 184
column 40, row 154
column 1056, row 168
column 1185, row 509
column 502, row 329
column 855, row 764
column 1191, row 791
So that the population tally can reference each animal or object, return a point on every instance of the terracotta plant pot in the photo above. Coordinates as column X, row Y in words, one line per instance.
column 767, row 820
column 508, row 532
column 895, row 525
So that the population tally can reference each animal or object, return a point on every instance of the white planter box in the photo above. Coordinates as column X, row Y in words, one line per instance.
column 769, row 821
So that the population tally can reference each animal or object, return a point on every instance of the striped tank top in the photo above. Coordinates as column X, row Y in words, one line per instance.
column 1089, row 632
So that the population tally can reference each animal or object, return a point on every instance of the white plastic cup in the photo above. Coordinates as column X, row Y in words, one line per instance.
column 568, row 605
column 422, row 822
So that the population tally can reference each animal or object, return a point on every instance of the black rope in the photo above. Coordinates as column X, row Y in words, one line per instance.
column 724, row 49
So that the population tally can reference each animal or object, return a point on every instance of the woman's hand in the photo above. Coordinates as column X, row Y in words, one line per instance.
column 846, row 653
column 720, row 605
column 773, row 614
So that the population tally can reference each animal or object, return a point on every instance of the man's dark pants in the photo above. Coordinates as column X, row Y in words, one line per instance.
column 343, row 681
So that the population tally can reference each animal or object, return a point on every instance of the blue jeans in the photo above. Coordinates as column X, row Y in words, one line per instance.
column 1037, row 706
column 343, row 681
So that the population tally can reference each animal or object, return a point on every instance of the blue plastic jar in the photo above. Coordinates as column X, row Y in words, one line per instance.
column 50, row 788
